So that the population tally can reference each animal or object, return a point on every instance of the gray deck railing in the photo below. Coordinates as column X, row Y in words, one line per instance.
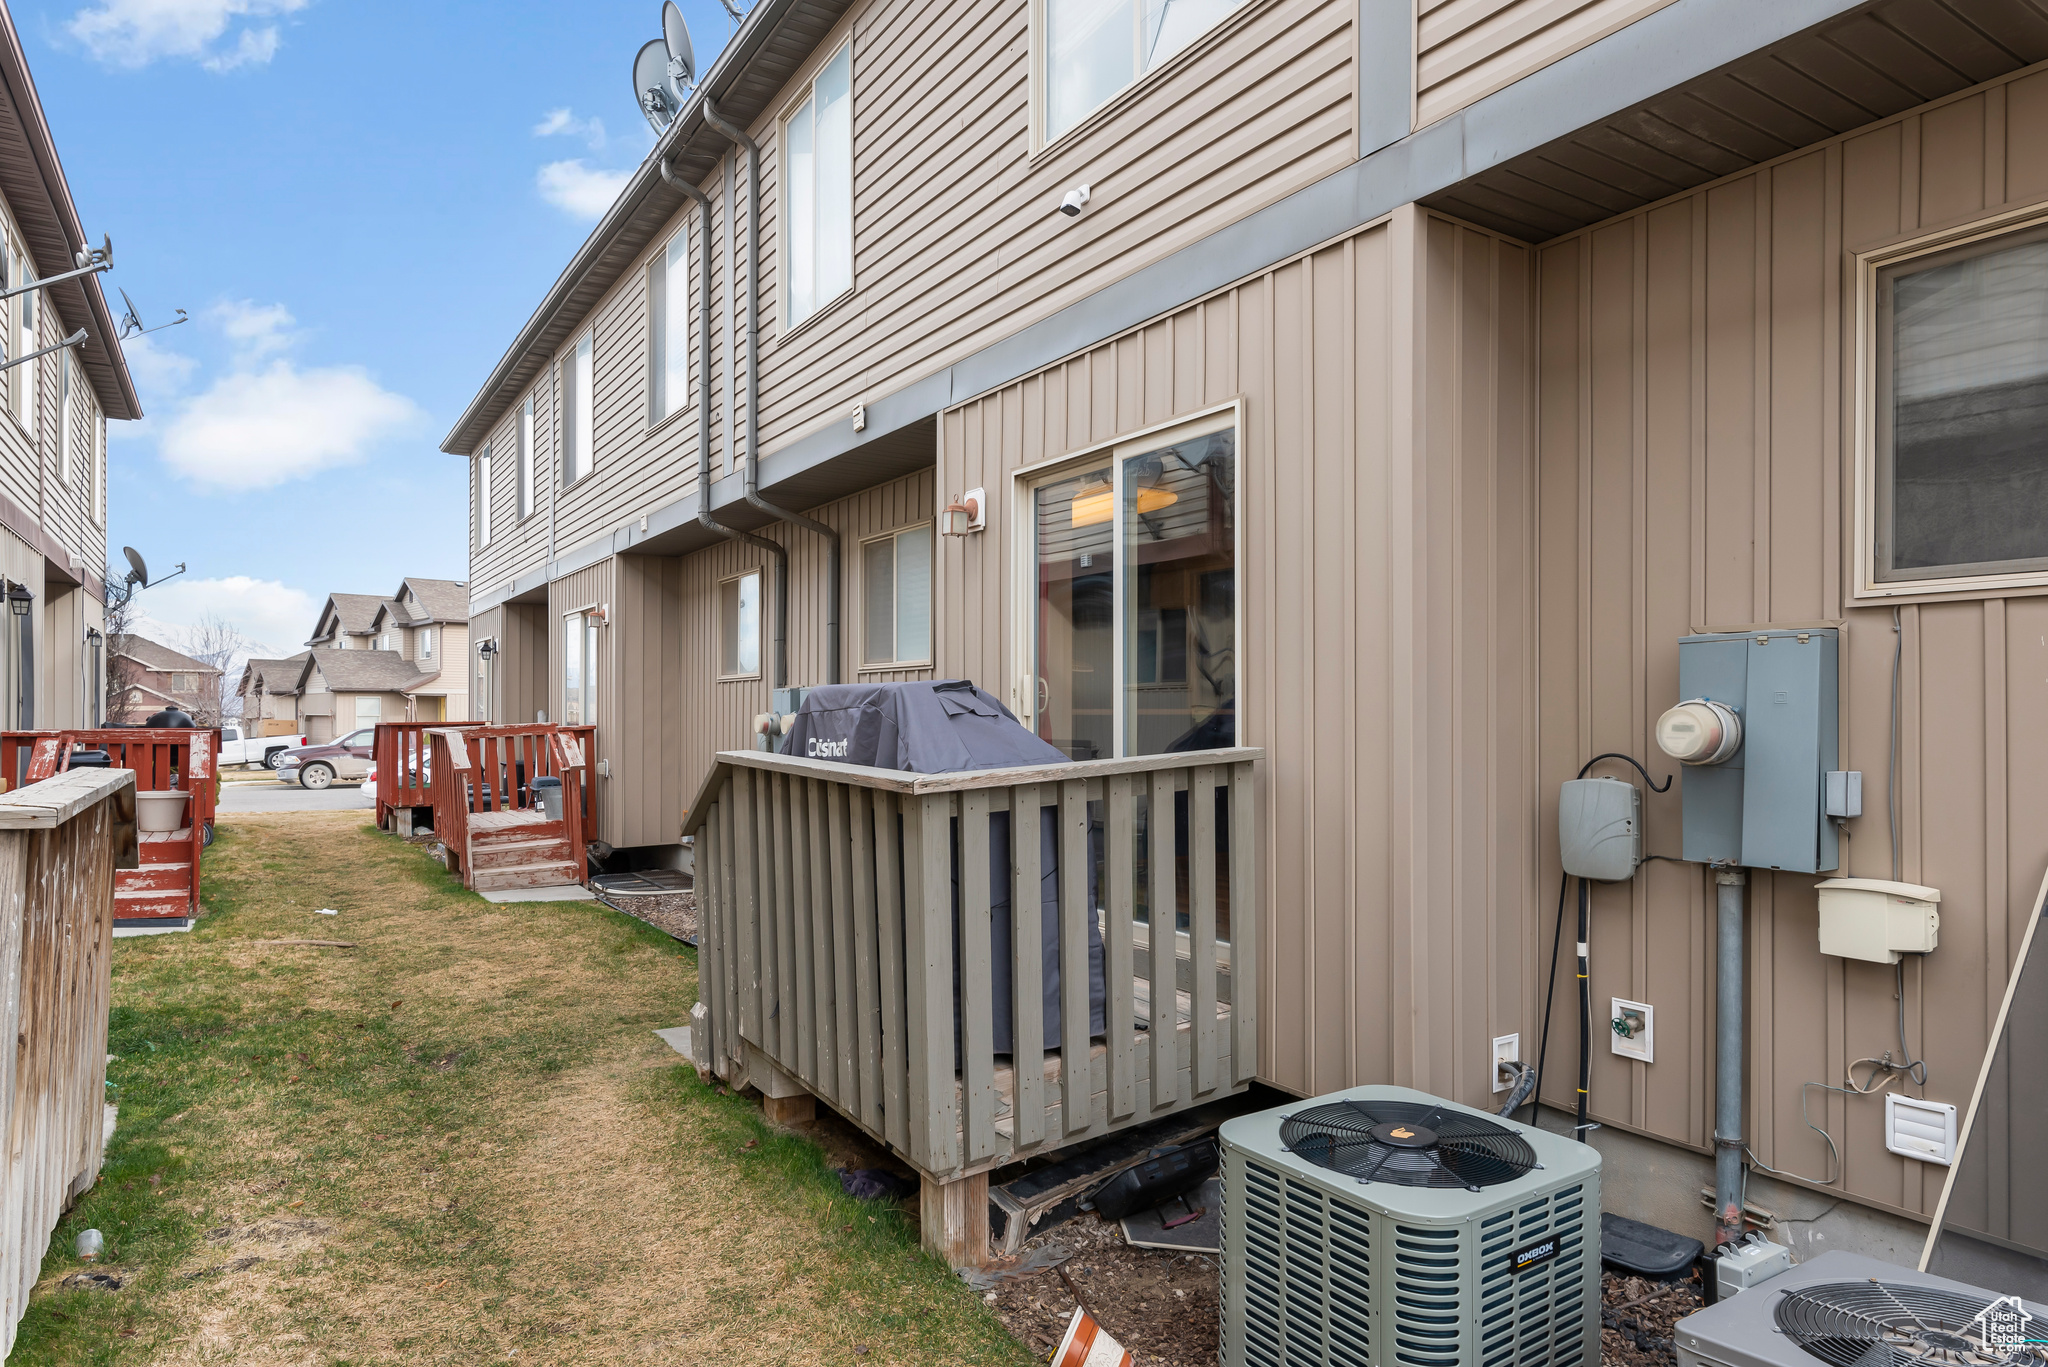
column 828, row 943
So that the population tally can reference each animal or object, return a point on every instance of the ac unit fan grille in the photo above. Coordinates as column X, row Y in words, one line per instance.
column 1407, row 1144
column 1885, row 1324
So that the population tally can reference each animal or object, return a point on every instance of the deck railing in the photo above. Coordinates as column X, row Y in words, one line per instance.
column 831, row 944
column 60, row 843
column 478, row 769
column 405, row 772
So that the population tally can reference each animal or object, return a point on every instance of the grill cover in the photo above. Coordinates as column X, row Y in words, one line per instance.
column 945, row 726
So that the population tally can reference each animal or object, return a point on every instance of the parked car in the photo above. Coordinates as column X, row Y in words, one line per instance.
column 237, row 746
column 321, row 766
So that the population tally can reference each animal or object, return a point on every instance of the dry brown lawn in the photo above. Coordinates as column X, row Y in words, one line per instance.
column 459, row 1142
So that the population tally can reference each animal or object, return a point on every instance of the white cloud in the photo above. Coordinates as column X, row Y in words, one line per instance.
column 254, row 329
column 134, row 33
column 262, row 428
column 585, row 191
column 564, row 123
column 156, row 368
column 274, row 616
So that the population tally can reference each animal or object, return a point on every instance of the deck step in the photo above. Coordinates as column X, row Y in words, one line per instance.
column 132, row 903
column 502, row 854
column 552, row 873
column 155, row 877
column 165, row 847
column 494, row 833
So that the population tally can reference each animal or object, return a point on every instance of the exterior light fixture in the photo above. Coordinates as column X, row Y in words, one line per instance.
column 965, row 514
column 18, row 599
column 487, row 646
column 93, row 637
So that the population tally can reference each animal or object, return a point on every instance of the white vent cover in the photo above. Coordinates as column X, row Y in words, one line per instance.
column 1925, row 1130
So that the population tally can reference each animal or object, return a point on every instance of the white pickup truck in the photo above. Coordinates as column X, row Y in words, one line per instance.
column 238, row 747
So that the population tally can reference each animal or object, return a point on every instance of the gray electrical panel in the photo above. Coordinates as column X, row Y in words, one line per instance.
column 1765, row 806
column 1600, row 828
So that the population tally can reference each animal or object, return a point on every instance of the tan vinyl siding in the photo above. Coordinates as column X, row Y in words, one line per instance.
column 1385, row 602
column 1698, row 467
column 1467, row 49
column 719, row 715
column 523, row 641
column 646, row 789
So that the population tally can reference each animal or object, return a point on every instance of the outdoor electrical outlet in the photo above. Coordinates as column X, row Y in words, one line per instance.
column 1634, row 1026
column 1506, row 1049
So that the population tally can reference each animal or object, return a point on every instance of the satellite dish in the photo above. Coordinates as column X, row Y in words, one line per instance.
column 138, row 573
column 651, row 88
column 682, row 60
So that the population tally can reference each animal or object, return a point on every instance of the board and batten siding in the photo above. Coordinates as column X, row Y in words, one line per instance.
column 1467, row 49
column 1386, row 603
column 718, row 714
column 1698, row 468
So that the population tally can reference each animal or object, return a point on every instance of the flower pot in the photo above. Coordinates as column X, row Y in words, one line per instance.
column 161, row 811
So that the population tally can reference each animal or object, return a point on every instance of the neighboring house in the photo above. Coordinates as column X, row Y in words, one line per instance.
column 427, row 622
column 348, row 621
column 269, row 692
column 151, row 676
column 1399, row 398
column 53, row 416
column 338, row 691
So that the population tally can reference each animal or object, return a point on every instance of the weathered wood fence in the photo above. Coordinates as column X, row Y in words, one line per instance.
column 829, row 945
column 61, row 841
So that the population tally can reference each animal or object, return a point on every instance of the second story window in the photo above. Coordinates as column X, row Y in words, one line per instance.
column 24, row 386
column 668, row 329
column 817, row 200
column 577, row 428
column 525, row 458
column 483, row 498
column 1092, row 49
column 65, row 427
column 426, row 643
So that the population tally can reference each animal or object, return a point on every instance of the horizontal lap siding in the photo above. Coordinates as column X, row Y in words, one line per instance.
column 1698, row 470
column 1467, row 49
column 1386, row 665
column 719, row 715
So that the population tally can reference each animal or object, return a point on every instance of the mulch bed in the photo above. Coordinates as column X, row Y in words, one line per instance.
column 1636, row 1331
column 1161, row 1306
column 675, row 912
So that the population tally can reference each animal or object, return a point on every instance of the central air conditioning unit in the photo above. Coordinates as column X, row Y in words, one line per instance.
column 1386, row 1226
column 1853, row 1311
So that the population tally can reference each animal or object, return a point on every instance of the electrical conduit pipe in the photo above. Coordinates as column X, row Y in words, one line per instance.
column 1728, row 1058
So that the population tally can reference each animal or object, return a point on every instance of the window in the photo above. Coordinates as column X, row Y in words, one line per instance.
column 896, row 598
column 369, row 711
column 184, row 683
column 1093, row 49
column 483, row 498
column 579, row 668
column 576, row 404
column 362, row 737
column 1134, row 621
column 668, row 329
column 525, row 458
column 426, row 643
column 384, row 641
column 25, row 319
column 739, row 626
column 64, row 425
column 1961, row 351
column 817, row 149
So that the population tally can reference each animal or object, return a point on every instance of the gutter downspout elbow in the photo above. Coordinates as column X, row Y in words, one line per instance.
column 752, row 485
column 704, row 517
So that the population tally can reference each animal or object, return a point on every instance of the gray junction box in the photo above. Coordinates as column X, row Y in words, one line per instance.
column 1765, row 806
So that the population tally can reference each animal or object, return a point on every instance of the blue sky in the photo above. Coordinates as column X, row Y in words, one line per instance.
column 358, row 203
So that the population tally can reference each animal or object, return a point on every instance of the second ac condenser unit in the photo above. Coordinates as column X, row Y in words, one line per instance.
column 1386, row 1226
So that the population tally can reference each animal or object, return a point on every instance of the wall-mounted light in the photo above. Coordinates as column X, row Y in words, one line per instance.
column 18, row 599
column 968, row 513
column 487, row 647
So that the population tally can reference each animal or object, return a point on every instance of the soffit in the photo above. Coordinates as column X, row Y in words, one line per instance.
column 1877, row 61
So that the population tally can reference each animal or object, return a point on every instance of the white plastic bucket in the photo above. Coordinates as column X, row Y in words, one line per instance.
column 161, row 811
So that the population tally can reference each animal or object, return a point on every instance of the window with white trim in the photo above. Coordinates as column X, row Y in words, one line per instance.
column 668, row 329
column 369, row 711
column 1134, row 618
column 817, row 192
column 66, row 428
column 483, row 497
column 24, row 387
column 896, row 599
column 1961, row 386
column 425, row 646
column 577, row 428
column 1091, row 50
column 739, row 626
column 579, row 668
column 524, row 457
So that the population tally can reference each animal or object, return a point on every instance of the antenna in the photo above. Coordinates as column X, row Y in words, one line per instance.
column 138, row 573
column 131, row 321
column 682, row 60
column 738, row 15
column 651, row 85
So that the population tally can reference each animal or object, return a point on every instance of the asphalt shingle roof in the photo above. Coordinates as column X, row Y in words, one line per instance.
column 364, row 671
column 441, row 600
column 156, row 655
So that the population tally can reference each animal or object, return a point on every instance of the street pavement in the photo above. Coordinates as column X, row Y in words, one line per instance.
column 268, row 795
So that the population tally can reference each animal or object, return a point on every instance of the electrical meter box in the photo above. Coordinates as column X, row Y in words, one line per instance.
column 1877, row 920
column 1764, row 807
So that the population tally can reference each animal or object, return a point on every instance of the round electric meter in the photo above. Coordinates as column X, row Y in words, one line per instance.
column 1699, row 732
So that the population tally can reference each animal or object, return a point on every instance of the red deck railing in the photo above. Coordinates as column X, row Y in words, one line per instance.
column 405, row 772
column 477, row 769
column 162, row 759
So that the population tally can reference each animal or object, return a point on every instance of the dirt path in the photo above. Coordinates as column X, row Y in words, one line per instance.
column 458, row 1142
